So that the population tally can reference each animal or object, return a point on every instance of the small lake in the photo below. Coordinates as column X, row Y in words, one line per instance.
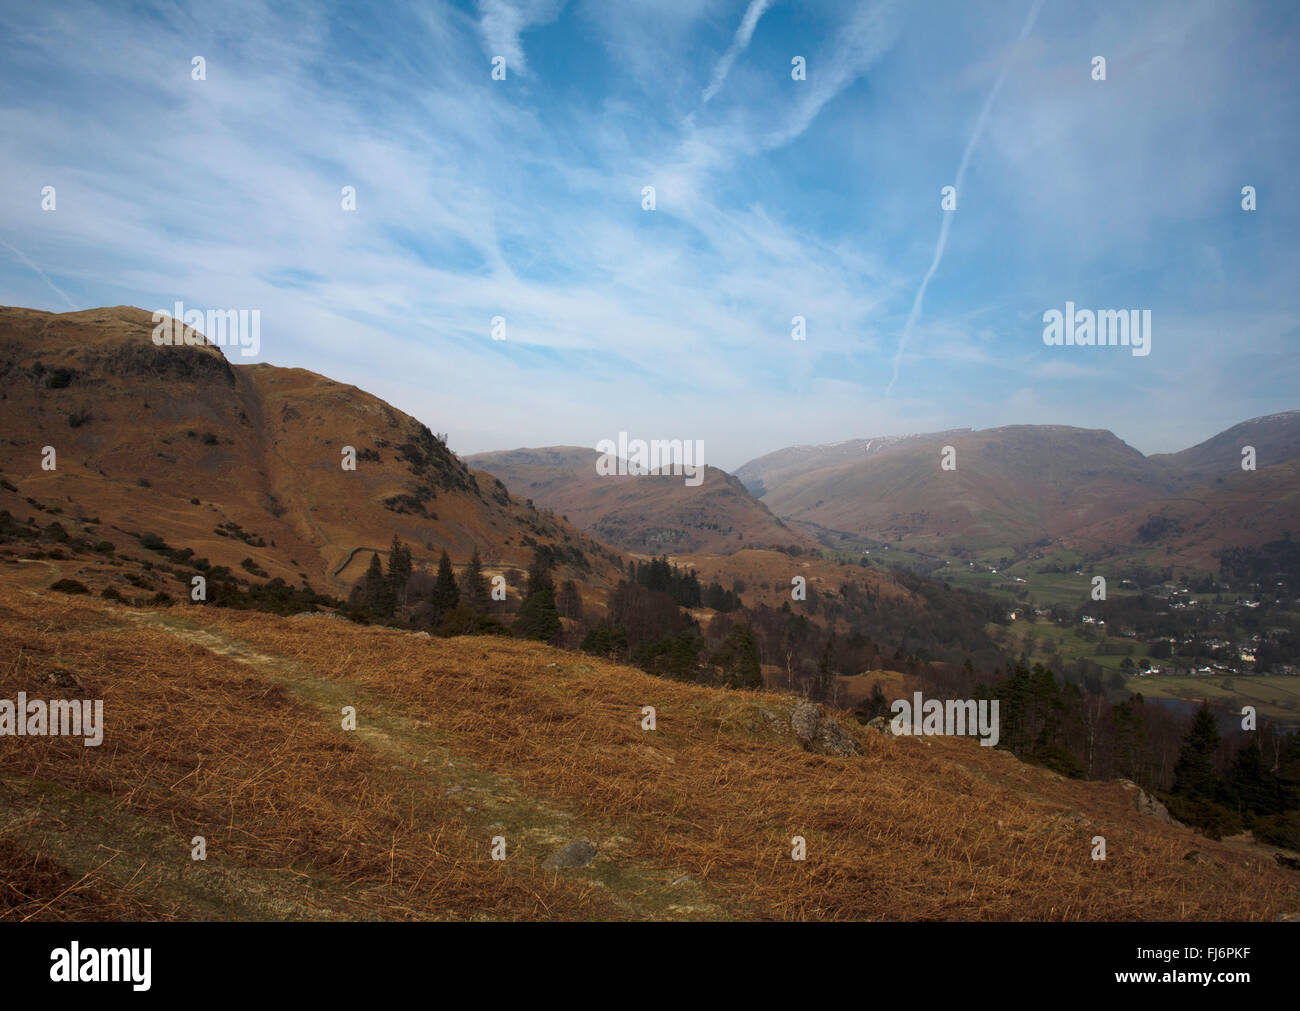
column 1228, row 721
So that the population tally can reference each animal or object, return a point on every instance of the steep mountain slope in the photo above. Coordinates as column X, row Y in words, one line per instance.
column 1215, row 503
column 1010, row 485
column 649, row 514
column 1275, row 438
column 787, row 466
column 241, row 462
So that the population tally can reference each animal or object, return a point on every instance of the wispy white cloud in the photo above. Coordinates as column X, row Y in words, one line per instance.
column 1064, row 370
column 868, row 33
column 789, row 198
column 502, row 24
column 646, row 39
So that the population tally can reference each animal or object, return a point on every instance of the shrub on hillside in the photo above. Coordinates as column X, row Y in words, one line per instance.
column 59, row 378
column 1213, row 819
column 464, row 620
column 1279, row 830
column 152, row 542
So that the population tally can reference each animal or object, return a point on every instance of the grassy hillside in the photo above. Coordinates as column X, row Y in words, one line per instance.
column 238, row 462
column 226, row 725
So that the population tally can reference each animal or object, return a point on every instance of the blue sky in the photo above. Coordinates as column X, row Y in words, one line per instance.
column 775, row 198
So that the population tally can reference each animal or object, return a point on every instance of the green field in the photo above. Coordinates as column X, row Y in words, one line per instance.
column 1069, row 588
column 1273, row 696
column 1070, row 641
column 1040, row 589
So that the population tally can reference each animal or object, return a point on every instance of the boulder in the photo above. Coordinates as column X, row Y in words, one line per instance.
column 882, row 725
column 818, row 732
column 578, row 853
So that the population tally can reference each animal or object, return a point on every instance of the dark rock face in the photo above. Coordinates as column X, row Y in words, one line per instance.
column 578, row 853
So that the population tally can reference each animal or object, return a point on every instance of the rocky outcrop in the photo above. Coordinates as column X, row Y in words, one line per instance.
column 1149, row 806
column 818, row 732
column 1152, row 808
column 774, row 723
column 882, row 725
column 805, row 719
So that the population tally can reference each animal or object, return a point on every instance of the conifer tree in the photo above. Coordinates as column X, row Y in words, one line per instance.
column 399, row 570
column 569, row 600
column 738, row 659
column 375, row 595
column 1252, row 787
column 538, row 617
column 445, row 594
column 1194, row 774
column 1132, row 749
column 473, row 586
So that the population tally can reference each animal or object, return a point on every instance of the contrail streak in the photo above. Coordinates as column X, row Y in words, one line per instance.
column 915, row 314
column 19, row 253
column 739, row 44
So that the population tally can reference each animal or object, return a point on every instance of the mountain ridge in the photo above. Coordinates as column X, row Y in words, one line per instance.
column 1017, row 485
column 247, row 460
column 647, row 514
